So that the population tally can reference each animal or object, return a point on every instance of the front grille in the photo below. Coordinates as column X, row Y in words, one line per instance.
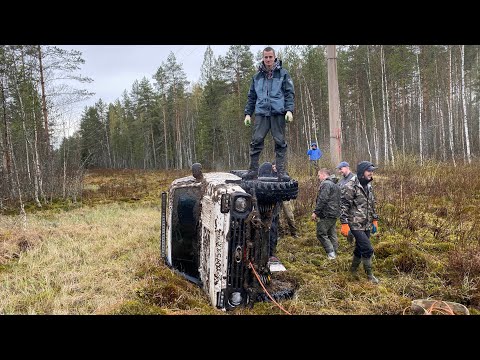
column 236, row 261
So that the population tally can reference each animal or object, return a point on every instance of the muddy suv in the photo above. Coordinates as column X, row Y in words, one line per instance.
column 215, row 230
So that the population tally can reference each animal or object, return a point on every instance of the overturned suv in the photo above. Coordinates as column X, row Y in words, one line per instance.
column 215, row 231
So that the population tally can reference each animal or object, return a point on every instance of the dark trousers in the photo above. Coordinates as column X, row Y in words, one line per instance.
column 275, row 123
column 313, row 167
column 327, row 234
column 288, row 211
column 273, row 234
column 363, row 246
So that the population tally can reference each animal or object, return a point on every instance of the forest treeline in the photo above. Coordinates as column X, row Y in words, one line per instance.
column 396, row 101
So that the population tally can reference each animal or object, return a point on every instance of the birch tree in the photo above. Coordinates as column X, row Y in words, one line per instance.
column 465, row 122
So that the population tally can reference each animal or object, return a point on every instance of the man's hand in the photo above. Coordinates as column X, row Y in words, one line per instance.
column 247, row 120
column 375, row 226
column 314, row 217
column 289, row 117
column 345, row 230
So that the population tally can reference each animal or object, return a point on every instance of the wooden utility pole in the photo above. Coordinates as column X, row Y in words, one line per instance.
column 334, row 107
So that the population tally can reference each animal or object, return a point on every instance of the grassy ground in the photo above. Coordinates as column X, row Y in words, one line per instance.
column 101, row 256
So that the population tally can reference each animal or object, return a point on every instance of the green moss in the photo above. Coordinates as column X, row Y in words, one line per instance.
column 406, row 257
column 438, row 247
column 474, row 311
column 135, row 307
column 385, row 249
column 409, row 261
column 317, row 262
column 6, row 267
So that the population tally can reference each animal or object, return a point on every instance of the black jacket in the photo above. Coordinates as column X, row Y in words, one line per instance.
column 328, row 200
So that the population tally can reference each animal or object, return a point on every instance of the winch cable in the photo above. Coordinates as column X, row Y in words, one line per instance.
column 433, row 307
column 266, row 292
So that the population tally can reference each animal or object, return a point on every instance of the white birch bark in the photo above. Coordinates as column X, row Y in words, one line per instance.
column 465, row 122
column 385, row 141
column 390, row 133
column 374, row 120
column 450, row 109
column 420, row 103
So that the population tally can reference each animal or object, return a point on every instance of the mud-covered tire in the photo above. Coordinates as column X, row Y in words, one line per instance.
column 270, row 190
column 280, row 288
column 239, row 173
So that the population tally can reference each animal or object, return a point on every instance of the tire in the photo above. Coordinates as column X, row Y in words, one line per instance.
column 239, row 173
column 270, row 190
column 279, row 289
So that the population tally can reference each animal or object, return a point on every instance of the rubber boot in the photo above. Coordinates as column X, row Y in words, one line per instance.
column 354, row 267
column 282, row 174
column 367, row 265
column 253, row 170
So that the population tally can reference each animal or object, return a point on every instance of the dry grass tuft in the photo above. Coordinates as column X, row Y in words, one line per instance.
column 85, row 262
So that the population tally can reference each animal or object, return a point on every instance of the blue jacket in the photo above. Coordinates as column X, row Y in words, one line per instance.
column 272, row 96
column 314, row 154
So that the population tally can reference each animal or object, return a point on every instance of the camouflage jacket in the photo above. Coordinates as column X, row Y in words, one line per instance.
column 343, row 180
column 357, row 206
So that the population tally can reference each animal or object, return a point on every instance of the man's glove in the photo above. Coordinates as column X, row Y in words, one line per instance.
column 289, row 117
column 374, row 226
column 247, row 120
column 345, row 230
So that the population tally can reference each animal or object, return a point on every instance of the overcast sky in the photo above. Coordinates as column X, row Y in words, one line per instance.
column 114, row 68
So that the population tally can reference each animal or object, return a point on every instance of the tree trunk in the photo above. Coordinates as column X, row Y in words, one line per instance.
column 7, row 155
column 390, row 137
column 420, row 103
column 335, row 124
column 364, row 125
column 36, row 157
column 64, row 188
column 44, row 102
column 307, row 112
column 23, row 214
column 374, row 121
column 478, row 100
column 438, row 92
column 27, row 141
column 465, row 123
column 306, row 130
column 108, row 143
column 153, row 148
column 312, row 110
column 385, row 141
column 165, row 136
column 450, row 108
column 403, row 121
column 442, row 130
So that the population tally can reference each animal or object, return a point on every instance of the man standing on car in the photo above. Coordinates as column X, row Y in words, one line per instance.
column 271, row 97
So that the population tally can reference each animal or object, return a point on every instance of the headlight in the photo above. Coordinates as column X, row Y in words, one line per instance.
column 241, row 204
column 235, row 298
